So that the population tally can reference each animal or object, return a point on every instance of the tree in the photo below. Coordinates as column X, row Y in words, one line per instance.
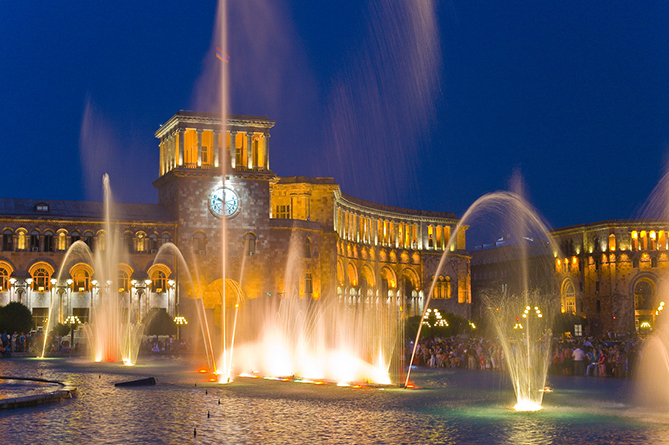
column 564, row 322
column 158, row 322
column 15, row 317
column 60, row 330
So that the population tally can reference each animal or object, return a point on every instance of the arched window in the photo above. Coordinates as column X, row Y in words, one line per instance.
column 62, row 240
column 153, row 243
column 48, row 241
column 430, row 237
column 158, row 281
column 141, row 245
column 127, row 242
column 89, row 240
column 308, row 285
column 21, row 239
column 7, row 240
column 74, row 237
column 612, row 242
column 41, row 281
column 643, row 296
column 34, row 241
column 250, row 243
column 4, row 279
column 307, row 248
column 200, row 243
column 102, row 241
column 123, row 281
column 81, row 278
column 165, row 238
column 569, row 298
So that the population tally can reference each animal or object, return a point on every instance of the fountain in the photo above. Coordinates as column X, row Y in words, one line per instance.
column 520, row 316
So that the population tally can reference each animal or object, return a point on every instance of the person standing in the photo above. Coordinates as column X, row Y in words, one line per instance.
column 578, row 356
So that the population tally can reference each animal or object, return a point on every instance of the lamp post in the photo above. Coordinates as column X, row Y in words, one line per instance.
column 180, row 320
column 73, row 321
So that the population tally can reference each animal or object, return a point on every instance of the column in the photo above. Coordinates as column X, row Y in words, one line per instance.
column 199, row 147
column 215, row 135
column 233, row 149
column 173, row 150
column 249, row 150
column 180, row 135
column 267, row 151
column 162, row 157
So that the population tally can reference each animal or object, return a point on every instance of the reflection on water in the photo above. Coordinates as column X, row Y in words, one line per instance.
column 452, row 407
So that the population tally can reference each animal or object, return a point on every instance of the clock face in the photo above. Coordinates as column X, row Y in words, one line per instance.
column 224, row 201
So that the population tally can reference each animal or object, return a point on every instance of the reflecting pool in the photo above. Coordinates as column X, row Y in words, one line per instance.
column 451, row 406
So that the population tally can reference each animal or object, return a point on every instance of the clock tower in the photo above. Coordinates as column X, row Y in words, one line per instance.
column 215, row 180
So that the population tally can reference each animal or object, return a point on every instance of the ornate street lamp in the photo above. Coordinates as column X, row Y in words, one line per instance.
column 73, row 321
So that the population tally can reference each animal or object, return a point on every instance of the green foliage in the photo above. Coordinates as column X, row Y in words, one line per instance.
column 158, row 322
column 15, row 317
column 565, row 323
column 60, row 330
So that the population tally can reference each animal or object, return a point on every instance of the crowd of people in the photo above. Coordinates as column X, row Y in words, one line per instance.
column 585, row 357
column 16, row 342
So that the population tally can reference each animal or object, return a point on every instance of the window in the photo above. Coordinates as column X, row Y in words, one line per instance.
column 81, row 279
column 153, row 243
column 205, row 155
column 283, row 212
column 102, row 241
column 141, row 245
column 430, row 237
column 122, row 281
column 48, row 241
column 89, row 240
column 62, row 241
column 41, row 278
column 7, row 240
column 653, row 262
column 307, row 248
column 200, row 243
column 643, row 296
column 82, row 313
column 165, row 238
column 4, row 279
column 250, row 243
column 21, row 239
column 42, row 207
column 34, row 241
column 569, row 298
column 308, row 285
column 158, row 281
column 74, row 237
column 127, row 243
column 599, row 306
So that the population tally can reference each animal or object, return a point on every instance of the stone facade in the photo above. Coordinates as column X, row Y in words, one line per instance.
column 611, row 273
column 283, row 235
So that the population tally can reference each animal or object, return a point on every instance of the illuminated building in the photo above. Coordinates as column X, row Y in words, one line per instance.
column 334, row 245
column 610, row 272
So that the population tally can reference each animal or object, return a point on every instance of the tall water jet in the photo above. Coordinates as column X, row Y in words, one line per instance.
column 526, row 343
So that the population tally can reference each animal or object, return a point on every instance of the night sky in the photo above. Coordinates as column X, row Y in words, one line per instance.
column 414, row 104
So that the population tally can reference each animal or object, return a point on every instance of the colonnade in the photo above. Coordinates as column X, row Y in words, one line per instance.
column 200, row 148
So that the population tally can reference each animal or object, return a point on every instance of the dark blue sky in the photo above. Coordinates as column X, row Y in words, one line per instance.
column 573, row 94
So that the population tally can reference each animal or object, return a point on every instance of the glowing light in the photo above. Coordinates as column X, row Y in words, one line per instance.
column 645, row 324
column 526, row 405
column 202, row 370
